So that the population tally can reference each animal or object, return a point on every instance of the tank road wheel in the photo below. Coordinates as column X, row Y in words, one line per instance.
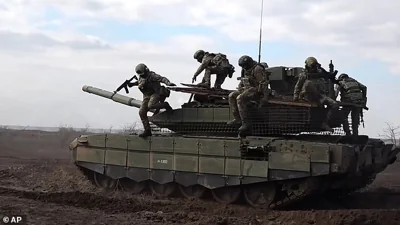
column 226, row 195
column 162, row 190
column 300, row 188
column 132, row 186
column 194, row 191
column 260, row 195
column 105, row 182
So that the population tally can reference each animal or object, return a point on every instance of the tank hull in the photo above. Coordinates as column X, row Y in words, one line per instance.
column 283, row 170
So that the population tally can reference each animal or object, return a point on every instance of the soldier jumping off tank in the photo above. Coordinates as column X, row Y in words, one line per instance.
column 253, row 86
column 212, row 63
column 149, row 84
column 351, row 91
column 310, row 87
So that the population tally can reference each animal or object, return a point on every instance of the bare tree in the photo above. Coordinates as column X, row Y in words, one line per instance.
column 130, row 128
column 86, row 129
column 392, row 133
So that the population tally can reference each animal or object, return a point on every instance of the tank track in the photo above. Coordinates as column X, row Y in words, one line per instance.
column 286, row 193
column 284, row 197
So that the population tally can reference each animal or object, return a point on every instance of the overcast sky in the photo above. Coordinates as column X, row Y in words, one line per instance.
column 49, row 49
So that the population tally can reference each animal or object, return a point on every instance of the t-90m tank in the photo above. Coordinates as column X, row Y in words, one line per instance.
column 286, row 158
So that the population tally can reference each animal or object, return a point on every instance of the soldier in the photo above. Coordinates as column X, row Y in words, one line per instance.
column 212, row 64
column 310, row 86
column 351, row 91
column 149, row 85
column 253, row 86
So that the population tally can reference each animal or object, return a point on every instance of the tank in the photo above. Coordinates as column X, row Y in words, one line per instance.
column 285, row 157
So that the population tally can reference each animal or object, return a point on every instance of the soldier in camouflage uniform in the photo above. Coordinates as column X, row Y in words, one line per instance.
column 351, row 91
column 253, row 86
column 212, row 64
column 311, row 87
column 153, row 98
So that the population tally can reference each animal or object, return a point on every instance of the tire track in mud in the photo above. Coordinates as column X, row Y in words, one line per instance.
column 81, row 200
column 111, row 205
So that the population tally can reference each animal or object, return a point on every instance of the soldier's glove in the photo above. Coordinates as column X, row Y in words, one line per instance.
column 333, row 74
column 172, row 84
column 193, row 79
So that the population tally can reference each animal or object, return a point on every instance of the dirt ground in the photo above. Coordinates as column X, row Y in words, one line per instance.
column 38, row 179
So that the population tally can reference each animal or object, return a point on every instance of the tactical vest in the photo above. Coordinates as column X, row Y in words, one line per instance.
column 318, row 80
column 219, row 60
column 350, row 90
column 248, row 78
column 149, row 87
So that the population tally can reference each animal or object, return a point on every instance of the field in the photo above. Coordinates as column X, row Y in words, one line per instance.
column 38, row 179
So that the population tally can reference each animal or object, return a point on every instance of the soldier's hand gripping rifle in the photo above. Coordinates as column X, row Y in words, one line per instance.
column 332, row 73
column 126, row 84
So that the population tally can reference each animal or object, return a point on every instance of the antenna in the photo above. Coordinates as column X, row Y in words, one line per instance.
column 261, row 22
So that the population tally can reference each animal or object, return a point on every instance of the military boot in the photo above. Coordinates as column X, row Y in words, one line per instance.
column 145, row 133
column 168, row 108
column 217, row 87
column 355, row 129
column 346, row 129
column 236, row 120
column 245, row 129
column 147, row 129
column 245, row 126
column 326, row 127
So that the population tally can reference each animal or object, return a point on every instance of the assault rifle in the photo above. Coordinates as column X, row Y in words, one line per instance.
column 332, row 73
column 125, row 85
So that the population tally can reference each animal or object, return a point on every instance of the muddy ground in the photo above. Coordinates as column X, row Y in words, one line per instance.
column 37, row 179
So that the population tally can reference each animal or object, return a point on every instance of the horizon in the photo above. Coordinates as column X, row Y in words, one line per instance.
column 56, row 47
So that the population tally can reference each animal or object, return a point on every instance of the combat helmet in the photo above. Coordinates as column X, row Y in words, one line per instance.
column 342, row 76
column 246, row 62
column 264, row 64
column 311, row 61
column 142, row 70
column 198, row 55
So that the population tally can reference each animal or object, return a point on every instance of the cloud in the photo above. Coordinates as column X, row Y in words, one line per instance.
column 48, row 52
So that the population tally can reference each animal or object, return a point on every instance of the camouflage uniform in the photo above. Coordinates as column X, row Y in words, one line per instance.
column 212, row 64
column 153, row 96
column 253, row 86
column 311, row 87
column 351, row 91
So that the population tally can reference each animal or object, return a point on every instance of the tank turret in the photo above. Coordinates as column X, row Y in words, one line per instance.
column 207, row 111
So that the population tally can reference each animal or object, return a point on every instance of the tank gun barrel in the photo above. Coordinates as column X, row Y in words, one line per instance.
column 113, row 96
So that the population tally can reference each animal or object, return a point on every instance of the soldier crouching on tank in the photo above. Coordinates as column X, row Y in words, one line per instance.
column 253, row 86
column 351, row 91
column 310, row 86
column 149, row 84
column 212, row 64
